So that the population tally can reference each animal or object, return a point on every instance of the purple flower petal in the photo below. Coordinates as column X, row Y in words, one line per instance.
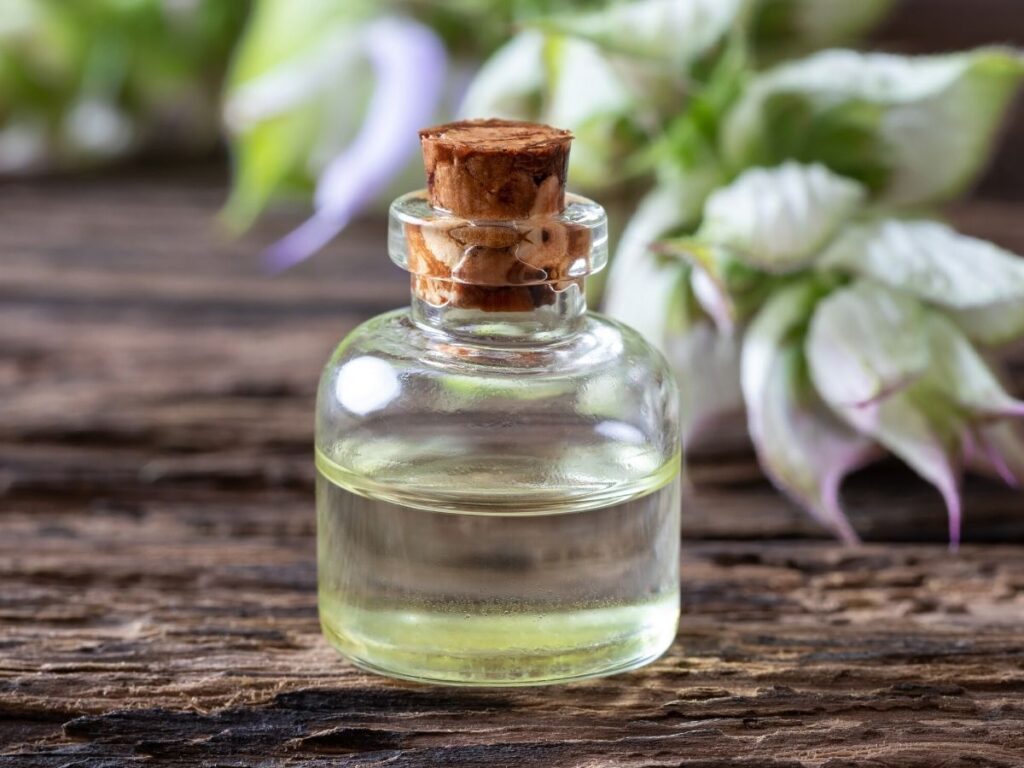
column 804, row 450
column 302, row 242
column 997, row 449
column 931, row 447
column 409, row 64
column 801, row 445
column 715, row 301
column 951, row 494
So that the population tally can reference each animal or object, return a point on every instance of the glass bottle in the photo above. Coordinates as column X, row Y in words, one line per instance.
column 498, row 469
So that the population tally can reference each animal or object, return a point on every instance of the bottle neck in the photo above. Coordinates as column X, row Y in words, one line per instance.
column 520, row 314
column 505, row 282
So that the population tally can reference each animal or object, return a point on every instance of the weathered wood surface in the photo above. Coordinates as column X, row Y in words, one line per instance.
column 157, row 579
column 188, row 635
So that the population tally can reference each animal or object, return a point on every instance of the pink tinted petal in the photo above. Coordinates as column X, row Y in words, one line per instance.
column 824, row 505
column 1001, row 467
column 946, row 478
column 308, row 238
column 925, row 443
column 1011, row 408
column 951, row 494
column 714, row 300
column 840, row 522
column 849, row 461
column 886, row 392
column 994, row 458
column 997, row 449
column 409, row 64
column 804, row 450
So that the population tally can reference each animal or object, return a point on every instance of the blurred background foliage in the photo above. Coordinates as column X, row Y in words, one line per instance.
column 89, row 81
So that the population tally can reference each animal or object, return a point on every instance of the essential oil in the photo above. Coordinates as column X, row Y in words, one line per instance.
column 498, row 469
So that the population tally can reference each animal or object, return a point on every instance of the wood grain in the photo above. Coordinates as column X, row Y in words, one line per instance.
column 188, row 635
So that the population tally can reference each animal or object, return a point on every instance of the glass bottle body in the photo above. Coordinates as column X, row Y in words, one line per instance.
column 498, row 496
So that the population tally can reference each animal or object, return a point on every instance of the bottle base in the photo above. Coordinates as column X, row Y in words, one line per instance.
column 502, row 649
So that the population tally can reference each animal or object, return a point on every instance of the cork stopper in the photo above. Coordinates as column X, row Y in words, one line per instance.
column 502, row 243
column 496, row 170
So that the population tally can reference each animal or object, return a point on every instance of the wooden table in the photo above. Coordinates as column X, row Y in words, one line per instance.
column 157, row 577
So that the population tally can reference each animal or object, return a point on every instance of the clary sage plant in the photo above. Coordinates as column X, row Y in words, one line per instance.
column 784, row 257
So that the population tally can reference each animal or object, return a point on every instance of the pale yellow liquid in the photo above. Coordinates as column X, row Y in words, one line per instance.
column 523, row 590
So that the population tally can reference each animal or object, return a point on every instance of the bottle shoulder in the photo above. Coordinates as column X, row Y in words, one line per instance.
column 597, row 344
column 400, row 406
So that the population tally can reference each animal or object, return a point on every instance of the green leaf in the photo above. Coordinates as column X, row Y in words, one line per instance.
column 931, row 261
column 706, row 364
column 511, row 83
column 690, row 139
column 918, row 428
column 296, row 95
column 866, row 342
column 961, row 373
column 804, row 449
column 642, row 288
column 653, row 295
column 599, row 115
column 663, row 30
column 779, row 219
column 717, row 276
column 993, row 325
column 913, row 129
column 997, row 450
column 268, row 163
column 785, row 27
column 280, row 30
column 84, row 82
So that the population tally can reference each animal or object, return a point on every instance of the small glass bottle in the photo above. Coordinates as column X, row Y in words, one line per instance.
column 498, row 470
